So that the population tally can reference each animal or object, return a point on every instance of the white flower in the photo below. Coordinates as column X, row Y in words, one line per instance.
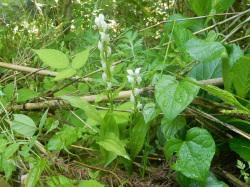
column 137, row 91
column 130, row 72
column 100, row 22
column 132, row 98
column 130, row 79
column 25, row 24
column 100, row 47
column 104, row 76
column 109, row 85
column 139, row 106
column 108, row 51
column 137, row 71
column 15, row 29
column 134, row 76
column 104, row 37
column 103, row 65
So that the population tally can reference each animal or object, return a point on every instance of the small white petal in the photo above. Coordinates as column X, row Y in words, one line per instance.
column 137, row 91
column 104, row 37
column 100, row 47
column 109, row 85
column 137, row 71
column 139, row 106
column 104, row 76
column 132, row 98
column 130, row 72
column 130, row 79
column 108, row 51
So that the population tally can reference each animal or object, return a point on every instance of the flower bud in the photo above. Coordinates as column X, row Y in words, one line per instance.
column 132, row 98
column 104, row 76
column 100, row 47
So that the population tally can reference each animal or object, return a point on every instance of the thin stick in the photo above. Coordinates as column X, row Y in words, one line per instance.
column 238, row 39
column 123, row 95
column 212, row 118
column 40, row 71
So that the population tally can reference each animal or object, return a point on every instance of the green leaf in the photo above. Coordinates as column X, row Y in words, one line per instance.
column 204, row 51
column 138, row 135
column 109, row 126
column 195, row 154
column 80, row 59
column 10, row 150
column 64, row 74
column 211, row 181
column 90, row 183
column 224, row 95
column 242, row 147
column 222, row 5
column 200, row 7
column 241, row 76
column 204, row 71
column 25, row 94
column 63, row 138
column 115, row 145
column 149, row 112
column 234, row 54
column 174, row 96
column 170, row 128
column 34, row 173
column 89, row 110
column 53, row 58
column 3, row 144
column 23, row 125
column 172, row 146
column 59, row 181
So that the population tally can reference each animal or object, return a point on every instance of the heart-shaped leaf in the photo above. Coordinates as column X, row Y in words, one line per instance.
column 174, row 96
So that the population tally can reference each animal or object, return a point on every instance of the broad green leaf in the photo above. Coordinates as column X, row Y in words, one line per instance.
column 34, row 173
column 115, row 145
column 67, row 73
column 89, row 110
column 10, row 150
column 224, row 95
column 234, row 54
column 195, row 154
column 63, row 138
column 170, row 128
column 204, row 71
column 59, row 181
column 8, row 167
column 138, row 135
column 211, row 181
column 242, row 147
column 172, row 146
column 80, row 59
column 204, row 51
column 200, row 7
column 23, row 125
column 25, row 94
column 149, row 112
column 109, row 126
column 222, row 5
column 174, row 96
column 53, row 58
column 3, row 144
column 181, row 35
column 241, row 76
column 90, row 183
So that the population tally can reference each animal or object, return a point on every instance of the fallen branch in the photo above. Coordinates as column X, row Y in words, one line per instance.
column 123, row 95
column 34, row 70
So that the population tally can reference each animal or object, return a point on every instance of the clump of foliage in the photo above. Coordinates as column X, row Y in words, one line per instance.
column 118, row 85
